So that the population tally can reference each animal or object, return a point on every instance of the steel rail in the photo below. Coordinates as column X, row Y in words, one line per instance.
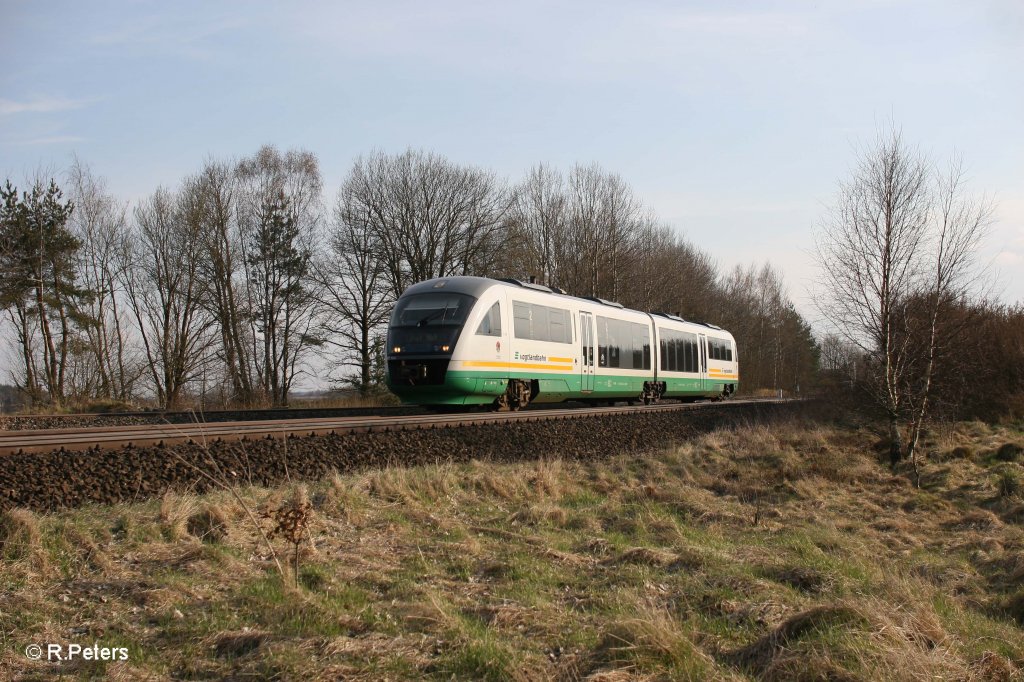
column 113, row 437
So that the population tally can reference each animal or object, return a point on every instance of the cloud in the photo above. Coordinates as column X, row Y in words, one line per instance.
column 185, row 36
column 39, row 105
column 50, row 139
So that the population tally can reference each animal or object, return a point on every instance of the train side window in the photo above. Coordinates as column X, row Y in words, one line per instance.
column 613, row 343
column 616, row 341
column 638, row 345
column 558, row 326
column 687, row 352
column 491, row 324
column 722, row 350
column 602, row 341
column 541, row 323
column 521, row 319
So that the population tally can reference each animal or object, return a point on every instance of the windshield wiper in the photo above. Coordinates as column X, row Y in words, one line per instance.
column 432, row 315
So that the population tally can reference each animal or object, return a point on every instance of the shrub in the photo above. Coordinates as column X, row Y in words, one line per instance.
column 1009, row 452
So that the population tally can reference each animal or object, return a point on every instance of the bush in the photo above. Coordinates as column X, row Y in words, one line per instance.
column 1009, row 452
column 962, row 452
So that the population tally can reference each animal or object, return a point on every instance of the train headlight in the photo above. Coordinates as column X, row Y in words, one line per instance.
column 396, row 349
column 444, row 349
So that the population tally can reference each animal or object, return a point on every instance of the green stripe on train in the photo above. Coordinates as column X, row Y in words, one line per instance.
column 463, row 387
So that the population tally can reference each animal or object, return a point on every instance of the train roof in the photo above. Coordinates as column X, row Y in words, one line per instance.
column 462, row 284
column 475, row 286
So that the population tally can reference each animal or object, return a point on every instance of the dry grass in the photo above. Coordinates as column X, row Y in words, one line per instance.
column 21, row 540
column 768, row 553
column 175, row 512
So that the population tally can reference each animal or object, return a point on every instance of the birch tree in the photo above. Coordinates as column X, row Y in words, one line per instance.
column 895, row 235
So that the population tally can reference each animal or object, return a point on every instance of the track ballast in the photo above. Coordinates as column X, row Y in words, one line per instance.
column 115, row 465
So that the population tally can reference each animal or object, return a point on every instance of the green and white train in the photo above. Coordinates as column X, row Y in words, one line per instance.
column 504, row 343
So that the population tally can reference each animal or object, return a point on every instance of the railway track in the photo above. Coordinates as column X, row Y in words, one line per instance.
column 149, row 435
column 26, row 422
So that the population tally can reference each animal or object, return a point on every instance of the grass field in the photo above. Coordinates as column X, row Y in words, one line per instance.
column 783, row 553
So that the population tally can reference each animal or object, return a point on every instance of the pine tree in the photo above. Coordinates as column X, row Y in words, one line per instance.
column 278, row 269
column 37, row 283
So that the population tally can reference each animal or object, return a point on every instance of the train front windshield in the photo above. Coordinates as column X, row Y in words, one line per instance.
column 427, row 323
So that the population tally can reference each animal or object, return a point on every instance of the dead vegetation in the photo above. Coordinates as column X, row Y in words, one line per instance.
column 759, row 553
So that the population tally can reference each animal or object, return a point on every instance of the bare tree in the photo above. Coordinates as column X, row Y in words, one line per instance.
column 428, row 216
column 354, row 291
column 214, row 192
column 668, row 273
column 775, row 344
column 891, row 239
column 538, row 217
column 604, row 221
column 165, row 292
column 961, row 224
column 869, row 252
column 840, row 360
column 100, row 225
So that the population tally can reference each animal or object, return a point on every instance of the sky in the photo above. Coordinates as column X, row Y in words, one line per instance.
column 734, row 122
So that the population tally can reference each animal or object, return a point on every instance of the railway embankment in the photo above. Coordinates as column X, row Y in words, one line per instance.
column 51, row 480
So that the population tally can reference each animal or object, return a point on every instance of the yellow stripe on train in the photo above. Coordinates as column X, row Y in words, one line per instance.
column 516, row 365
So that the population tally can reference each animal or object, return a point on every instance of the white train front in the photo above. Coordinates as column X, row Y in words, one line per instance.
column 504, row 343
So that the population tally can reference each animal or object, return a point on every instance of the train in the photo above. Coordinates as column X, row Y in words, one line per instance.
column 475, row 341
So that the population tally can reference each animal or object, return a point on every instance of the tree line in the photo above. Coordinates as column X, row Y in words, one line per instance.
column 228, row 287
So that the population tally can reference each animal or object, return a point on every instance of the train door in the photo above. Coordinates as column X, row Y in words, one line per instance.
column 703, row 362
column 587, row 354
